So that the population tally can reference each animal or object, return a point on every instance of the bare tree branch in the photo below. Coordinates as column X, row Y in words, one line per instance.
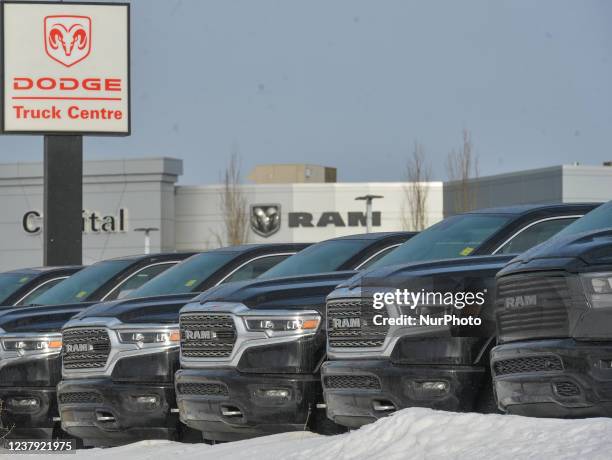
column 233, row 206
column 462, row 166
column 418, row 173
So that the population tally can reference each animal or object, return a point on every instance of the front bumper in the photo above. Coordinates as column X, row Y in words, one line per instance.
column 36, row 421
column 226, row 405
column 29, row 378
column 104, row 413
column 554, row 378
column 358, row 392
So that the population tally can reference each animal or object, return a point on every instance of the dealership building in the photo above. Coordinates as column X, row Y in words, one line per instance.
column 294, row 203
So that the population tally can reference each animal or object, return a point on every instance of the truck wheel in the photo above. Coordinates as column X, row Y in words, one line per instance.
column 58, row 433
column 486, row 403
column 187, row 434
column 320, row 424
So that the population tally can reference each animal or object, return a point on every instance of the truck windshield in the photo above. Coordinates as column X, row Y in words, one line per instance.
column 10, row 283
column 184, row 277
column 81, row 285
column 456, row 236
column 325, row 257
column 598, row 218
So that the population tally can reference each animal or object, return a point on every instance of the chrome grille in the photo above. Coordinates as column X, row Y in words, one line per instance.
column 529, row 307
column 215, row 335
column 350, row 324
column 85, row 348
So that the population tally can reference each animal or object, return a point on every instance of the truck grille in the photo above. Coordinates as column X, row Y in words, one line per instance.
column 203, row 389
column 80, row 398
column 350, row 325
column 530, row 307
column 528, row 364
column 85, row 348
column 207, row 335
column 356, row 382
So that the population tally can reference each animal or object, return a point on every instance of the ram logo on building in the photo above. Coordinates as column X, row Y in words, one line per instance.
column 265, row 219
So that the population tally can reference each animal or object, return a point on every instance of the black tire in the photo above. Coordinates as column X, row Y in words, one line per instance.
column 320, row 424
column 486, row 402
column 186, row 434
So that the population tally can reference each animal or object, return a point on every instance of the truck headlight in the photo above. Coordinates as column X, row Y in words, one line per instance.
column 598, row 289
column 33, row 345
column 275, row 325
column 142, row 337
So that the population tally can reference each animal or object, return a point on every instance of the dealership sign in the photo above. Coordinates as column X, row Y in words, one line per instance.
column 65, row 68
column 265, row 219
column 91, row 222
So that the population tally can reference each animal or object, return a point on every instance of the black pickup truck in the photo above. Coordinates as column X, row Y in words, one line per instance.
column 554, row 317
column 431, row 351
column 25, row 285
column 31, row 339
column 251, row 352
column 120, row 357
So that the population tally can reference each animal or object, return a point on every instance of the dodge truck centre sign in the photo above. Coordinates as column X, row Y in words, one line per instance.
column 66, row 68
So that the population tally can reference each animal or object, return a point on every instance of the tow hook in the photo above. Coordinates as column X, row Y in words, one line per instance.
column 231, row 411
column 384, row 406
column 103, row 416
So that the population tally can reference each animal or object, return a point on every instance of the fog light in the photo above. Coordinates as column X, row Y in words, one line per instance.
column 147, row 399
column 23, row 403
column 605, row 363
column 276, row 393
column 430, row 389
column 434, row 386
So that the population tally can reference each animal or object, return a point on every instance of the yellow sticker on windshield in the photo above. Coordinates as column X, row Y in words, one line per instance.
column 81, row 294
column 467, row 251
column 190, row 283
column 23, row 280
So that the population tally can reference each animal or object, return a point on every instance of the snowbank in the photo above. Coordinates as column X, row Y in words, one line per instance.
column 411, row 433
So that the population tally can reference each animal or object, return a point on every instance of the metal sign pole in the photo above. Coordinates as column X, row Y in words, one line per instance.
column 368, row 199
column 63, row 200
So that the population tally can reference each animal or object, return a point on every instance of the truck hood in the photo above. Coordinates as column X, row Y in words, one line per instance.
column 44, row 318
column 159, row 309
column 397, row 275
column 573, row 253
column 287, row 292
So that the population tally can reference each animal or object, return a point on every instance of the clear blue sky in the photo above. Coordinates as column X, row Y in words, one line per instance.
column 352, row 84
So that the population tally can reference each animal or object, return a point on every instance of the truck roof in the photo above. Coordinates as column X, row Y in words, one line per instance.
column 372, row 236
column 35, row 270
column 261, row 247
column 527, row 208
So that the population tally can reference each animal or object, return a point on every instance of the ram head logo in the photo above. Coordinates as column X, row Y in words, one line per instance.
column 67, row 38
column 265, row 219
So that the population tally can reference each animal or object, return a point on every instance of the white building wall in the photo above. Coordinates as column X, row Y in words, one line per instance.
column 199, row 214
column 586, row 183
column 556, row 184
column 544, row 185
column 143, row 187
column 190, row 217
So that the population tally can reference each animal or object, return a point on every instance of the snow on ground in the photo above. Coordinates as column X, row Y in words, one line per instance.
column 411, row 433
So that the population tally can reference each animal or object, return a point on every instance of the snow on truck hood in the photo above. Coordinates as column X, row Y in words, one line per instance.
column 410, row 433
